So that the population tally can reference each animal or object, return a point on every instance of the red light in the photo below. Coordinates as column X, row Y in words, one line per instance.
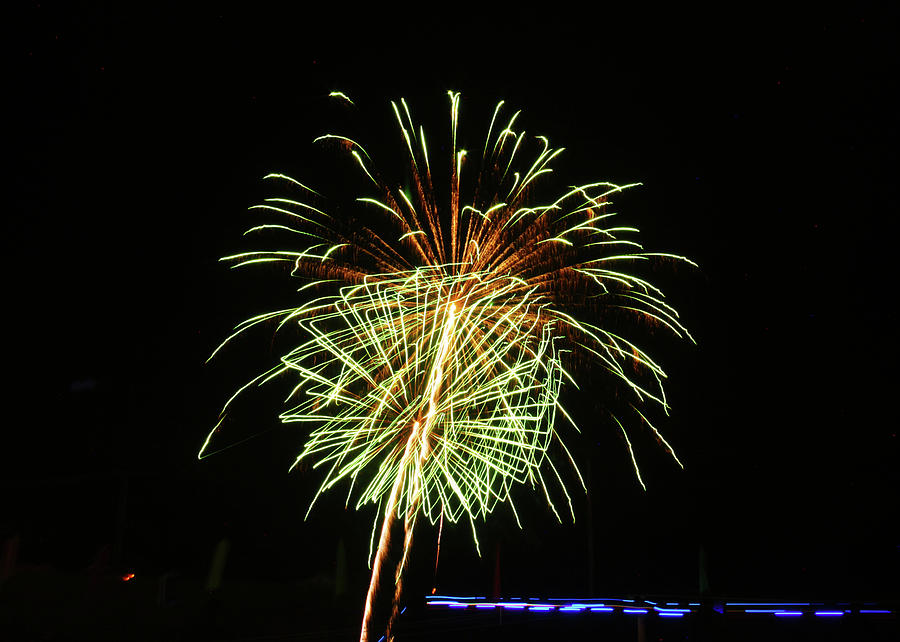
column 125, row 578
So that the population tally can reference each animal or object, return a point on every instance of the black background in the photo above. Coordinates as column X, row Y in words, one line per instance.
column 766, row 142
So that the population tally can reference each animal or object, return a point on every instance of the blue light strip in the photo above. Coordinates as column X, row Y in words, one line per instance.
column 644, row 607
column 768, row 603
column 511, row 605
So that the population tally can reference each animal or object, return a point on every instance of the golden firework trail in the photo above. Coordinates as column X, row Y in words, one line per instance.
column 436, row 331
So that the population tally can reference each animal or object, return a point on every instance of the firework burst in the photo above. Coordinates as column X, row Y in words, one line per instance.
column 436, row 333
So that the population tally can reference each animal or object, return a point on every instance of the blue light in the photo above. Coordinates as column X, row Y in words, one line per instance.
column 642, row 607
column 403, row 611
column 766, row 603
column 381, row 639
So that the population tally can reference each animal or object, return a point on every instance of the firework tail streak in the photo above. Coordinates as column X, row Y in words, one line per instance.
column 434, row 353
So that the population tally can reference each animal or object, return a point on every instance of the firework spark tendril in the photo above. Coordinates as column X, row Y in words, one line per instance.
column 435, row 346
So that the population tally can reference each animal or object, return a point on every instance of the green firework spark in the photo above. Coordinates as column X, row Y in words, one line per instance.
column 436, row 332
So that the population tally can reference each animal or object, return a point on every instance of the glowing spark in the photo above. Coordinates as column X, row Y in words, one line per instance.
column 341, row 95
column 440, row 335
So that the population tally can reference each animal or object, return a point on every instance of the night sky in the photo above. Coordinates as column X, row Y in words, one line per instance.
column 766, row 143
